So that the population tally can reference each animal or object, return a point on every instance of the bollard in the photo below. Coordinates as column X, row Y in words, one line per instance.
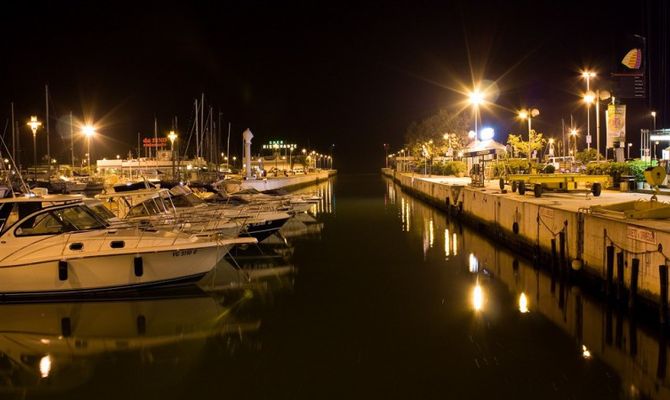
column 663, row 276
column 619, row 276
column 609, row 274
column 634, row 273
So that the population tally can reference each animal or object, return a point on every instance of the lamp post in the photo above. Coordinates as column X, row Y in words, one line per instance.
column 628, row 153
column 386, row 154
column 573, row 147
column 172, row 136
column 34, row 124
column 529, row 114
column 653, row 115
column 587, row 75
column 596, row 97
column 89, row 132
column 475, row 98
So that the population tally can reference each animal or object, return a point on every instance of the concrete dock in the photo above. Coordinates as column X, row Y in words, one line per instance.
column 536, row 225
column 288, row 182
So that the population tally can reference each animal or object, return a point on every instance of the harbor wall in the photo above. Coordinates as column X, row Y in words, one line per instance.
column 528, row 226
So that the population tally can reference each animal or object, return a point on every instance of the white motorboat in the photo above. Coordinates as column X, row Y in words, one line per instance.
column 154, row 206
column 58, row 245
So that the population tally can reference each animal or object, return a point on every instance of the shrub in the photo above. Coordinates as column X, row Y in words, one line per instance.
column 637, row 167
column 586, row 156
column 549, row 169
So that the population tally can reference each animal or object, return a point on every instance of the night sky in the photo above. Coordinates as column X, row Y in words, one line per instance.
column 354, row 75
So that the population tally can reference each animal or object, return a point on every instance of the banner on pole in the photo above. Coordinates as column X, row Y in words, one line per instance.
column 616, row 124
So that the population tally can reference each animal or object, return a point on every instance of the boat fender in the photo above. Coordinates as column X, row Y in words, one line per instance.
column 139, row 266
column 62, row 270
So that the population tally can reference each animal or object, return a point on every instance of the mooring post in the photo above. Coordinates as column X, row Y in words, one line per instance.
column 609, row 273
column 561, row 249
column 619, row 275
column 553, row 256
column 634, row 273
column 663, row 276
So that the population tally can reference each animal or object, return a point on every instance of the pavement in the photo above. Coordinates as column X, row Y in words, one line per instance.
column 570, row 201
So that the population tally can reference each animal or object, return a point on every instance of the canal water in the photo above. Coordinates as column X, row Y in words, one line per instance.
column 373, row 294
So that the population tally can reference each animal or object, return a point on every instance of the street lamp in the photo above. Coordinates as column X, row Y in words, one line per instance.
column 596, row 97
column 587, row 75
column 89, row 132
column 475, row 98
column 386, row 155
column 529, row 114
column 653, row 115
column 628, row 153
column 573, row 135
column 34, row 124
column 172, row 136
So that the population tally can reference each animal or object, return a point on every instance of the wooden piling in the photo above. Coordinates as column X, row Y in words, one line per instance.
column 634, row 274
column 663, row 276
column 561, row 250
column 609, row 272
column 554, row 261
column 619, row 276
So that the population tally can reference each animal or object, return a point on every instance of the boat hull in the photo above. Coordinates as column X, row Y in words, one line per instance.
column 109, row 272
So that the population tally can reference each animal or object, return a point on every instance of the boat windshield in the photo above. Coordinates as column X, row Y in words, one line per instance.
column 146, row 208
column 79, row 217
column 52, row 222
column 186, row 200
column 101, row 211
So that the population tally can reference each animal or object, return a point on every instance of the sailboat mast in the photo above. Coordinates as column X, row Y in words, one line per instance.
column 13, row 136
column 46, row 100
column 155, row 149
column 71, row 141
column 197, row 132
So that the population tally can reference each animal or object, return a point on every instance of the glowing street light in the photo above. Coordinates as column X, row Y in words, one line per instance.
column 34, row 124
column 588, row 100
column 653, row 115
column 476, row 98
column 529, row 114
column 172, row 136
column 88, row 131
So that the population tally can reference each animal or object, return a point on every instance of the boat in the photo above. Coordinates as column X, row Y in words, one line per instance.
column 154, row 207
column 56, row 245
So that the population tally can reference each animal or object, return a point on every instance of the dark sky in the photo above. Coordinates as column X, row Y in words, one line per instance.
column 350, row 74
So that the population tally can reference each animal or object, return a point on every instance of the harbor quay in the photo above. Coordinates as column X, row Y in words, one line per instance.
column 287, row 182
column 625, row 257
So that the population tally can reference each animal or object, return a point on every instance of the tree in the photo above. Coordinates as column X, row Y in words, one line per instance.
column 521, row 146
column 444, row 129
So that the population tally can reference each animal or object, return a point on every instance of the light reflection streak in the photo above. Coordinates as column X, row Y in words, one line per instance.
column 446, row 243
column 473, row 264
column 477, row 297
column 431, row 233
column 523, row 303
column 45, row 366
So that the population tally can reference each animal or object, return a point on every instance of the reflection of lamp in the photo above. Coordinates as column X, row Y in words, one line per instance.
column 523, row 303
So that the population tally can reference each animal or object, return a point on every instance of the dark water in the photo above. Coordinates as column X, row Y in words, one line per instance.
column 373, row 295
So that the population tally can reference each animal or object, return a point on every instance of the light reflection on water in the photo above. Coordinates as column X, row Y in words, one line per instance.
column 600, row 331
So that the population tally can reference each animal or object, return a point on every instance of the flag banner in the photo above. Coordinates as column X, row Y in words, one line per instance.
column 616, row 124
